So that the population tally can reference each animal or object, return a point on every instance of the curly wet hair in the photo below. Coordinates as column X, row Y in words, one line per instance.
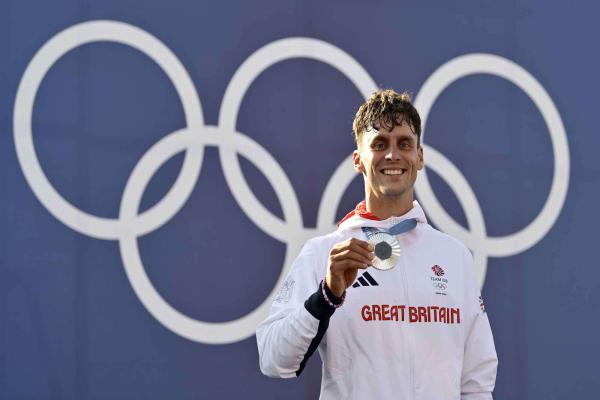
column 386, row 108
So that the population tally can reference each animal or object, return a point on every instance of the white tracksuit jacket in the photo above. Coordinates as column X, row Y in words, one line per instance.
column 418, row 331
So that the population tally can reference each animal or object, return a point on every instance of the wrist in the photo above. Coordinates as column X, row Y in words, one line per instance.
column 336, row 288
column 331, row 298
column 320, row 304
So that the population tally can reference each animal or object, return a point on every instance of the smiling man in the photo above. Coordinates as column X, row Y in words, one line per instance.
column 412, row 325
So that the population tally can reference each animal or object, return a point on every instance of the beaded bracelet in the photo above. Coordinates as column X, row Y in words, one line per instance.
column 323, row 286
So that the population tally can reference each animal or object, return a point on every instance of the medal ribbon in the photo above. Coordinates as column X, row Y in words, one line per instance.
column 398, row 229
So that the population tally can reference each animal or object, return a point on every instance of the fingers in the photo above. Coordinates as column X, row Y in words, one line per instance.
column 352, row 253
column 349, row 254
column 353, row 243
column 345, row 259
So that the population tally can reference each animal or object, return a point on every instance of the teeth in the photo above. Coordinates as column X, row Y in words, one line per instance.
column 392, row 171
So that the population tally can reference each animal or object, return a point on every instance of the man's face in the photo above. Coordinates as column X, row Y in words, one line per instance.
column 389, row 161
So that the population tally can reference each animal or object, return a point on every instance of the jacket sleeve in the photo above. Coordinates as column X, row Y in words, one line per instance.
column 480, row 360
column 298, row 319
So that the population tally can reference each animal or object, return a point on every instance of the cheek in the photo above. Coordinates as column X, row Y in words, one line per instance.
column 368, row 163
column 416, row 161
column 374, row 161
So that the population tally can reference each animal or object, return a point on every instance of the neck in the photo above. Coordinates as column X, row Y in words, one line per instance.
column 385, row 207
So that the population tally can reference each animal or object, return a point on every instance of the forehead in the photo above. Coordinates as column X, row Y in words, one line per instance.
column 402, row 131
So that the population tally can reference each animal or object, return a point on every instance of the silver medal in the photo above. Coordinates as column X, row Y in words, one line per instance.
column 387, row 251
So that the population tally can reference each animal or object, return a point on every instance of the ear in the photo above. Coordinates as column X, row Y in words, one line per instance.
column 358, row 165
column 420, row 163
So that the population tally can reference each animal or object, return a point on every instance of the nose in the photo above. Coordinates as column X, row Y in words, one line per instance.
column 393, row 154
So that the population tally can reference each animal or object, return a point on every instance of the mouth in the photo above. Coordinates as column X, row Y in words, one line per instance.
column 395, row 171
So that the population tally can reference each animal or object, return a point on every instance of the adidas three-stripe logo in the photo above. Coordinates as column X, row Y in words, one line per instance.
column 365, row 280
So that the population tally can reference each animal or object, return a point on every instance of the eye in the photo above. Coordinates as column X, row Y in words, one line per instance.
column 405, row 145
column 378, row 146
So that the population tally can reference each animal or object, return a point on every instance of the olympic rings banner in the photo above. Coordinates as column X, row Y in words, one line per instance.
column 162, row 165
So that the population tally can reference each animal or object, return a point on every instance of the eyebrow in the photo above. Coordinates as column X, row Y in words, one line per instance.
column 380, row 136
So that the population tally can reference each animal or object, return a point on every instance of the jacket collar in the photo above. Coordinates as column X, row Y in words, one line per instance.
column 360, row 217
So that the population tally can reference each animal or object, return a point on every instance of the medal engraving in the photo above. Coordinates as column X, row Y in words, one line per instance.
column 387, row 251
column 383, row 250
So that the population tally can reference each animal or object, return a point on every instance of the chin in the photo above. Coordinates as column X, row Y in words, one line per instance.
column 390, row 192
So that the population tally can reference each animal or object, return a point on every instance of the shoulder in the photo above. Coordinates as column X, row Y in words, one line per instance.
column 443, row 240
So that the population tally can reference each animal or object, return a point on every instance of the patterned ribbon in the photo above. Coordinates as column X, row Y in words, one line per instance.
column 398, row 229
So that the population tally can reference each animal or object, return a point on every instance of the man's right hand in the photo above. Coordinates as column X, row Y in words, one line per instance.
column 345, row 259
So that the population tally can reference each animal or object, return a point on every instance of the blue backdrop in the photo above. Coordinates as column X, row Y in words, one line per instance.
column 141, row 235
